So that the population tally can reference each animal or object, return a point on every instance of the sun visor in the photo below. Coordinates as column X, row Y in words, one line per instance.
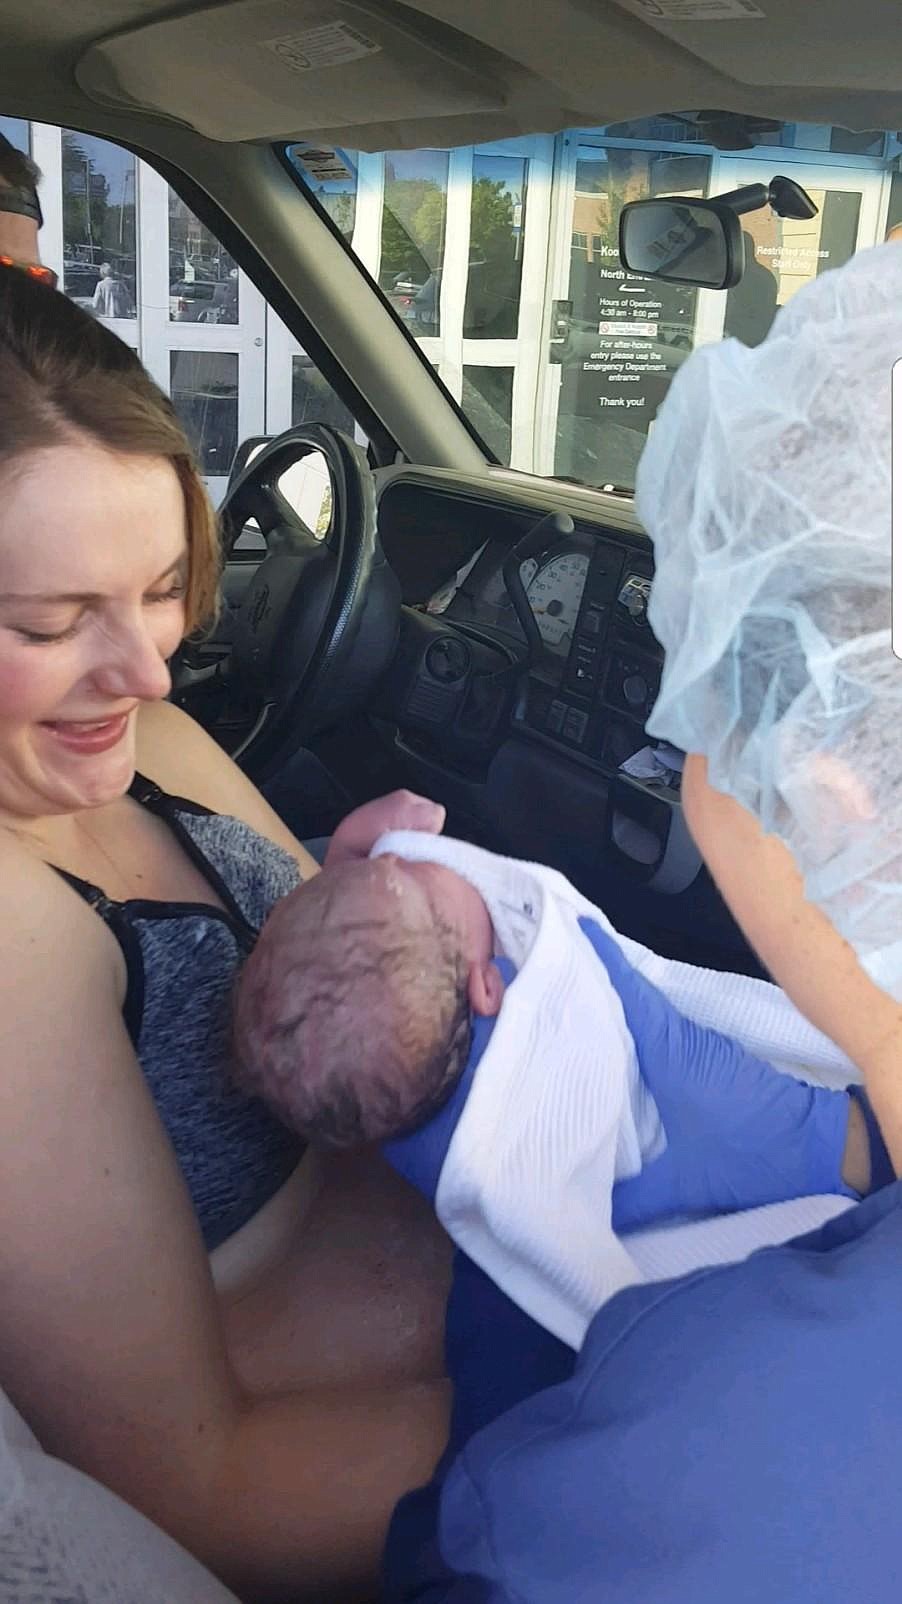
column 770, row 42
column 270, row 67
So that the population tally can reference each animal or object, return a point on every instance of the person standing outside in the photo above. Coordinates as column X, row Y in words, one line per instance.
column 111, row 297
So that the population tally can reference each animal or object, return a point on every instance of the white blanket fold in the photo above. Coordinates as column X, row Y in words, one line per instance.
column 558, row 1111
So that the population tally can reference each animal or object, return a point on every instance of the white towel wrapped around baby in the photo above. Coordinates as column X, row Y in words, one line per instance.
column 558, row 1112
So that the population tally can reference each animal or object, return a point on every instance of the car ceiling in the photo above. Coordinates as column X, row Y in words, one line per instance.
column 441, row 72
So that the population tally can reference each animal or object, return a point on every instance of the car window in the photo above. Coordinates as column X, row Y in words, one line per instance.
column 501, row 261
column 129, row 250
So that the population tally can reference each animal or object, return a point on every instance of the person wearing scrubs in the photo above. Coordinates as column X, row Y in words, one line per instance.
column 735, row 1433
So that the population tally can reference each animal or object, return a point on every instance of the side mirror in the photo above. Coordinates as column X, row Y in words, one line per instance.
column 695, row 242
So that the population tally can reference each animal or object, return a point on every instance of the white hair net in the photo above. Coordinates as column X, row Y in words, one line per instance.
column 765, row 486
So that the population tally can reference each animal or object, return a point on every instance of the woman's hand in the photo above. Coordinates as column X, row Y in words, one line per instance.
column 357, row 834
column 739, row 1134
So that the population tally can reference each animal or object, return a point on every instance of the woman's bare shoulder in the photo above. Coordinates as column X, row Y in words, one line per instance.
column 102, row 1220
column 46, row 923
column 178, row 755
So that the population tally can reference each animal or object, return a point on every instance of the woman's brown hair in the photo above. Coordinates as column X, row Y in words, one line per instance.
column 63, row 374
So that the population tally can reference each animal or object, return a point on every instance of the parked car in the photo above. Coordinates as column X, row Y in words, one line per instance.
column 402, row 294
column 191, row 299
column 80, row 280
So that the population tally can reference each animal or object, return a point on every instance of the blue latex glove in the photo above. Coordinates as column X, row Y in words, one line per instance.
column 419, row 1157
column 739, row 1134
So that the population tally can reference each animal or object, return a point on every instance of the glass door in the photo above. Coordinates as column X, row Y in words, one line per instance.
column 203, row 334
column 614, row 340
column 458, row 243
column 783, row 253
column 503, row 293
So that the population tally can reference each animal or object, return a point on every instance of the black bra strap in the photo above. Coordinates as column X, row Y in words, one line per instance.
column 152, row 796
column 114, row 917
column 86, row 890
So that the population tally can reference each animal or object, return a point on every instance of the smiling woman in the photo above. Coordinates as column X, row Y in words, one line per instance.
column 76, row 662
column 135, row 1171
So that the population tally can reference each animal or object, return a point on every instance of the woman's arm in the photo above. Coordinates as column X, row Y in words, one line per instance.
column 110, row 1337
column 801, row 949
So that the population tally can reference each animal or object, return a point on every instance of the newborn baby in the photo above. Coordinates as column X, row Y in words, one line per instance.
column 354, row 1017
column 353, row 1013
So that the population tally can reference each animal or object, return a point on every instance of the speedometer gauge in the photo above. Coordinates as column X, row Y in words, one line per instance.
column 554, row 593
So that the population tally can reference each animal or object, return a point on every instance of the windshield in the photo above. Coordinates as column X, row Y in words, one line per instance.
column 502, row 262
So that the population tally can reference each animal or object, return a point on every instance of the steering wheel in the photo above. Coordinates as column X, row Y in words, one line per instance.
column 319, row 621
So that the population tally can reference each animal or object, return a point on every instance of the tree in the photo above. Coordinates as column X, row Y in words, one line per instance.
column 93, row 227
column 492, row 231
column 491, row 309
column 84, row 205
column 429, row 226
column 405, row 251
column 628, row 180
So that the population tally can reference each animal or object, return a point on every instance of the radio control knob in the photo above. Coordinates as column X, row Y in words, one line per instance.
column 635, row 690
column 448, row 660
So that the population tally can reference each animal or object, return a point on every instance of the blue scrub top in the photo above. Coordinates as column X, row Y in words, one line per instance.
column 730, row 1437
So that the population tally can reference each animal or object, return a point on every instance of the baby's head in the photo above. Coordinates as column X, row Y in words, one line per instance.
column 352, row 1015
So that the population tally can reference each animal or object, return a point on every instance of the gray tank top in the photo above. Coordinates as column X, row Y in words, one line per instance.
column 182, row 959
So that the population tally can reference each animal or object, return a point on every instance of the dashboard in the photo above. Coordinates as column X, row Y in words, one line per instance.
column 595, row 682
column 524, row 675
column 554, row 584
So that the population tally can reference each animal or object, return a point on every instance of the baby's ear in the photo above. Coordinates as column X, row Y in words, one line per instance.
column 485, row 988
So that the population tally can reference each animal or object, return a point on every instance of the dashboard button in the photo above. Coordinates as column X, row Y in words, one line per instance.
column 592, row 621
column 556, row 715
column 584, row 667
column 575, row 725
column 632, row 684
column 635, row 690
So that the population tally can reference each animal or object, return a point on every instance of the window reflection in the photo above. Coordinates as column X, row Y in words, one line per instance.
column 414, row 211
column 497, row 219
column 487, row 400
column 313, row 399
column 99, row 237
column 784, row 253
column 204, row 390
column 203, row 277
column 626, row 337
column 894, row 215
column 846, row 142
column 725, row 130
